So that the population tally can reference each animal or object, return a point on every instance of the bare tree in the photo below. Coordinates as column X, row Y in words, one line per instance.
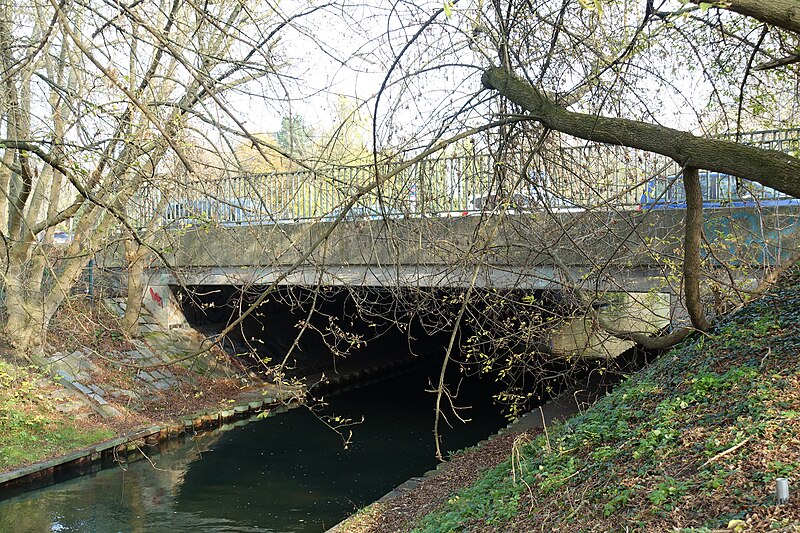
column 583, row 75
column 599, row 74
column 99, row 104
column 103, row 104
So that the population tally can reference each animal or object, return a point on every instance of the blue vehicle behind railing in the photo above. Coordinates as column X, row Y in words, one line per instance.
column 718, row 189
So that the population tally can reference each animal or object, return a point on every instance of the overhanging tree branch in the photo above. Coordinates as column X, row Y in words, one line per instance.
column 693, row 238
column 780, row 13
column 769, row 167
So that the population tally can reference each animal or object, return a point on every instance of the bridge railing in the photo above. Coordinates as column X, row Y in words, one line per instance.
column 561, row 176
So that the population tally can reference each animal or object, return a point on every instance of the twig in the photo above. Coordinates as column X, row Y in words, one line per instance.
column 726, row 452
column 763, row 359
column 544, row 427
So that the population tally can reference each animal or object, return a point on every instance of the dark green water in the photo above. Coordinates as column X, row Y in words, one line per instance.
column 288, row 472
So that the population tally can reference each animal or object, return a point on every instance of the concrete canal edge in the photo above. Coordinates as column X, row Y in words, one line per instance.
column 137, row 444
column 558, row 409
column 131, row 446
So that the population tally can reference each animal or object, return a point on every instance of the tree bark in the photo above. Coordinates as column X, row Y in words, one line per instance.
column 769, row 167
column 135, row 255
column 24, row 326
column 780, row 13
column 693, row 239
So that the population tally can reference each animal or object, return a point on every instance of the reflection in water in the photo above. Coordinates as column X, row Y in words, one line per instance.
column 286, row 473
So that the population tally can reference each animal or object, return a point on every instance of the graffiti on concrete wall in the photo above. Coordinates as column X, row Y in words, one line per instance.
column 156, row 297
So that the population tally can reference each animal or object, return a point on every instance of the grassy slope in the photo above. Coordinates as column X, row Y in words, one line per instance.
column 31, row 429
column 33, row 426
column 695, row 441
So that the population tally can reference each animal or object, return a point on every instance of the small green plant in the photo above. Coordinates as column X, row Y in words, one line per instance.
column 617, row 501
column 765, row 325
column 654, row 442
column 777, row 469
column 667, row 492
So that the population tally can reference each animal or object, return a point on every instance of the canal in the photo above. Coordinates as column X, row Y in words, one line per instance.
column 288, row 472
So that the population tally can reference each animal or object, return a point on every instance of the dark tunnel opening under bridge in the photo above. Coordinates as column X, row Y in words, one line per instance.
column 347, row 333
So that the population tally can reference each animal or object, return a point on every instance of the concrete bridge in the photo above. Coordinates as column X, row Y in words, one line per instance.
column 625, row 250
column 590, row 232
column 410, row 231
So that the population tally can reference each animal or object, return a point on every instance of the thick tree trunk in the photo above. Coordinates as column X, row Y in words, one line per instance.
column 41, row 262
column 693, row 239
column 5, row 181
column 25, row 328
column 30, row 307
column 781, row 13
column 135, row 255
column 769, row 167
column 25, row 325
column 649, row 342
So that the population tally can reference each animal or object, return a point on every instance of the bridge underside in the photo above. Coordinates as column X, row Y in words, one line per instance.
column 485, row 276
column 329, row 330
column 603, row 252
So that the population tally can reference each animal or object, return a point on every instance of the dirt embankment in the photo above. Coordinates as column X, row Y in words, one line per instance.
column 95, row 383
column 695, row 442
